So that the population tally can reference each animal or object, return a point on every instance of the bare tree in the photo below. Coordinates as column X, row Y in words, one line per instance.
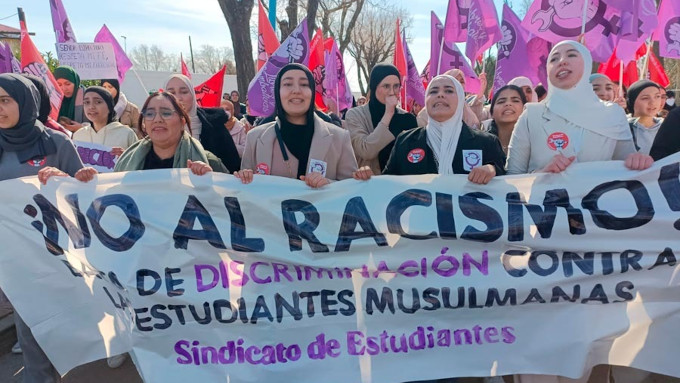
column 237, row 13
column 210, row 59
column 153, row 58
column 372, row 40
column 339, row 17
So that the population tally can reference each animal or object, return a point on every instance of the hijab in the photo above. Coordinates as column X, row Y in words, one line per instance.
column 196, row 125
column 45, row 107
column 399, row 122
column 634, row 91
column 442, row 137
column 108, row 99
column 68, row 104
column 524, row 81
column 581, row 106
column 297, row 138
column 114, row 83
column 28, row 137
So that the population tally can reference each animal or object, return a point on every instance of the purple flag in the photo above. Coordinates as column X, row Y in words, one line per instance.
column 483, row 29
column 295, row 49
column 638, row 22
column 62, row 27
column 335, row 80
column 668, row 30
column 8, row 64
column 122, row 61
column 415, row 92
column 512, row 51
column 456, row 23
column 451, row 58
column 555, row 21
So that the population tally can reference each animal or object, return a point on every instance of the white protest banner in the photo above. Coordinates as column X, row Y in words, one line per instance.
column 92, row 61
column 96, row 155
column 395, row 279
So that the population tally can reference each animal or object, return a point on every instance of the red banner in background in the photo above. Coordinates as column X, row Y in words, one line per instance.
column 209, row 94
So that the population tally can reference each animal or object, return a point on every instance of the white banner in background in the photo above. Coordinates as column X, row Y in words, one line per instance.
column 92, row 61
column 391, row 280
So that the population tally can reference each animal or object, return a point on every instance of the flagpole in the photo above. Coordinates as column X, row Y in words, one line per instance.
column 621, row 78
column 583, row 18
column 439, row 60
column 140, row 80
column 645, row 66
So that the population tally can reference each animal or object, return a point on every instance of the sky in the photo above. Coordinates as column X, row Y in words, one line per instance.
column 168, row 23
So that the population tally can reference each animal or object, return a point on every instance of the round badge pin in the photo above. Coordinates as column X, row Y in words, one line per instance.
column 37, row 162
column 558, row 141
column 416, row 155
column 262, row 168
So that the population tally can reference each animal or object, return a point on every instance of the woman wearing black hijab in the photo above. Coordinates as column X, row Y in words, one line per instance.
column 298, row 144
column 127, row 112
column 374, row 126
column 27, row 148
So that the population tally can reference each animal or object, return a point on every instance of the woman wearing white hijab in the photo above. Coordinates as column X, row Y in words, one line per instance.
column 207, row 124
column 527, row 87
column 446, row 145
column 571, row 124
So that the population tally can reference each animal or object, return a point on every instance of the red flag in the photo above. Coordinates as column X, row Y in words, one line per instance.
column 33, row 63
column 317, row 65
column 185, row 69
column 400, row 62
column 656, row 71
column 209, row 94
column 612, row 69
column 267, row 42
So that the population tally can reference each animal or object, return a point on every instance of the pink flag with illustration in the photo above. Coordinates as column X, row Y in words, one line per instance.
column 638, row 21
column 555, row 21
column 668, row 30
column 456, row 23
column 451, row 58
column 336, row 84
column 8, row 64
column 415, row 92
column 295, row 49
column 62, row 26
column 123, row 63
column 483, row 30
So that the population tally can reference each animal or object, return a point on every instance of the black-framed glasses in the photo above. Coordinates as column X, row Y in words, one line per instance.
column 150, row 114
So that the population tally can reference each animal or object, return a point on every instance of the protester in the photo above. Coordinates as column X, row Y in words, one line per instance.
column 71, row 112
column 45, row 106
column 27, row 148
column 667, row 141
column 239, row 108
column 235, row 127
column 475, row 102
column 527, row 87
column 506, row 107
column 644, row 105
column 167, row 145
column 127, row 112
column 571, row 123
column 299, row 144
column 207, row 124
column 248, row 120
column 540, row 91
column 469, row 116
column 375, row 126
column 446, row 145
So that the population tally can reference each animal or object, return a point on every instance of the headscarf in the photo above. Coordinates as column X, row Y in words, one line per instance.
column 524, row 81
column 196, row 125
column 581, row 106
column 68, row 104
column 442, row 137
column 595, row 76
column 114, row 83
column 399, row 122
column 634, row 91
column 297, row 138
column 45, row 106
column 108, row 99
column 28, row 137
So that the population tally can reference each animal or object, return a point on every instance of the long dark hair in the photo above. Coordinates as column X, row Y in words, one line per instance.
column 504, row 88
column 175, row 105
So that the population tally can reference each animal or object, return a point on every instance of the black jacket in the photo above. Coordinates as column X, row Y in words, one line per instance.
column 667, row 140
column 407, row 154
column 216, row 139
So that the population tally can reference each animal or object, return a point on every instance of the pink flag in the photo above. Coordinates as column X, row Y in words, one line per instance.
column 668, row 30
column 122, row 61
column 513, row 52
column 555, row 21
column 638, row 21
column 8, row 64
column 451, row 58
column 62, row 27
column 336, row 84
column 415, row 92
column 295, row 49
column 456, row 23
column 483, row 29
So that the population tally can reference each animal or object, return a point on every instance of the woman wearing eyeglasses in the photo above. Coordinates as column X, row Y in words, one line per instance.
column 167, row 145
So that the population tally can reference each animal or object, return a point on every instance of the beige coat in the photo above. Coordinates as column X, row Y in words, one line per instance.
column 330, row 144
column 367, row 141
column 130, row 117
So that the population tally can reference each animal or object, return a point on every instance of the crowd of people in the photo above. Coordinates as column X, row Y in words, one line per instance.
column 523, row 129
